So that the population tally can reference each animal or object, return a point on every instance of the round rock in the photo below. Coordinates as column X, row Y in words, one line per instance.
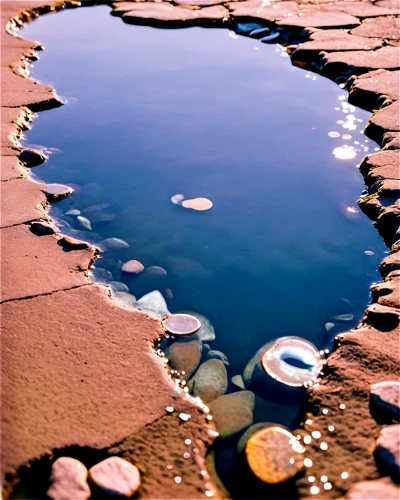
column 68, row 480
column 119, row 286
column 233, row 412
column 210, row 380
column 274, row 455
column 56, row 192
column 116, row 476
column 31, row 158
column 387, row 450
column 184, row 356
column 132, row 267
column 155, row 272
column 154, row 303
column 206, row 332
column 125, row 298
column 181, row 324
column 385, row 400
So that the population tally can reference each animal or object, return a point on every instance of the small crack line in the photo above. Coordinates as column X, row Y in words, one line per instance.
column 45, row 294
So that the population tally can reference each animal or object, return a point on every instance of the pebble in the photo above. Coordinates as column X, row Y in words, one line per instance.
column 125, row 298
column 119, row 286
column 369, row 252
column 379, row 489
column 270, row 38
column 31, row 158
column 329, row 326
column 73, row 244
column 247, row 28
column 181, row 324
column 185, row 356
column 274, row 455
column 344, row 317
column 84, row 222
column 132, row 267
column 155, row 272
column 199, row 204
column 168, row 294
column 42, row 228
column 115, row 243
column 232, row 413
column 213, row 354
column 177, row 199
column 56, row 192
column 206, row 332
column 68, row 480
column 74, row 211
column 385, row 399
column 210, row 381
column 237, row 382
column 387, row 450
column 116, row 476
column 154, row 303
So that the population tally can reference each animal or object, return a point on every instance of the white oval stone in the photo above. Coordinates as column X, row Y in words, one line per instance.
column 116, row 476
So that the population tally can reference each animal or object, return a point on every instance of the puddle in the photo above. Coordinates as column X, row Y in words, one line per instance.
column 153, row 114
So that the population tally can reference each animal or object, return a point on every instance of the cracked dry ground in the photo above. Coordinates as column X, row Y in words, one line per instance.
column 60, row 331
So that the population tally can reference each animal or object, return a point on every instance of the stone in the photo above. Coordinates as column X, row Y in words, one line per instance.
column 43, row 228
column 125, row 298
column 101, row 275
column 378, row 489
column 84, row 222
column 384, row 120
column 249, row 370
column 155, row 272
column 200, row 3
column 274, row 455
column 368, row 90
column 383, row 27
column 329, row 326
column 390, row 263
column 387, row 293
column 74, row 211
column 206, row 332
column 116, row 476
column 68, row 480
column 158, row 13
column 168, row 294
column 387, row 451
column 70, row 243
column 184, row 356
column 114, row 243
column 213, row 354
column 177, row 199
column 199, row 204
column 382, row 317
column 344, row 317
column 31, row 158
column 119, row 286
column 181, row 324
column 233, row 413
column 320, row 20
column 385, row 400
column 55, row 192
column 210, row 381
column 154, row 303
column 391, row 140
column 237, row 382
column 132, row 267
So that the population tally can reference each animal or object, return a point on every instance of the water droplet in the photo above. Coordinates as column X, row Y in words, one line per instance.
column 178, row 479
column 203, row 473
column 184, row 416
column 316, row 434
column 309, row 421
column 325, row 411
column 342, row 406
column 311, row 479
column 324, row 479
column 307, row 439
column 169, row 409
column 186, row 454
column 188, row 441
column 314, row 490
column 368, row 252
column 209, row 493
column 331, row 428
column 328, row 486
column 346, row 137
column 345, row 475
column 323, row 446
column 169, row 466
column 333, row 134
column 307, row 462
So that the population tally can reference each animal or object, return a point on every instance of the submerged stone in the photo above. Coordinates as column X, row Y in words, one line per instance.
column 344, row 317
column 213, row 354
column 210, row 381
column 154, row 303
column 271, row 38
column 56, row 192
column 177, row 199
column 237, row 382
column 74, row 211
column 125, row 298
column 84, row 222
column 385, row 400
column 68, row 480
column 116, row 476
column 181, row 324
column 199, row 204
column 184, row 356
column 115, row 243
column 168, row 294
column 206, row 332
column 155, row 272
column 274, row 455
column 101, row 275
column 329, row 326
column 42, row 228
column 247, row 28
column 233, row 412
column 260, row 32
column 119, row 286
column 132, row 267
column 31, row 158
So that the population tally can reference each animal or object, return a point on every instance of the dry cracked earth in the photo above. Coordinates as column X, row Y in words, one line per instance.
column 60, row 392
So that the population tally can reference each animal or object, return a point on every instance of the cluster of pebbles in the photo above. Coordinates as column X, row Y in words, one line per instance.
column 113, row 476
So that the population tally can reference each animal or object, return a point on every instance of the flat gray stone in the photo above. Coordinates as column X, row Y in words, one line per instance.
column 125, row 298
column 385, row 399
column 213, row 354
column 114, row 243
column 154, row 303
column 119, row 286
column 387, row 450
column 232, row 413
column 116, row 476
column 56, row 192
column 68, row 480
column 210, row 381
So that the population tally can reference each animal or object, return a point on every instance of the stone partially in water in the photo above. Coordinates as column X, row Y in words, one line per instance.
column 101, row 275
column 344, row 317
column 210, row 381
column 177, row 199
column 385, row 400
column 213, row 354
column 114, row 243
column 119, row 286
column 181, row 324
column 387, row 451
column 84, row 222
column 132, row 267
column 233, row 412
column 379, row 489
column 116, row 476
column 154, row 303
column 56, row 192
column 206, row 332
column 247, row 28
column 199, row 204
column 68, row 480
column 184, row 356
column 43, row 228
column 31, row 158
column 292, row 361
column 274, row 455
column 125, row 298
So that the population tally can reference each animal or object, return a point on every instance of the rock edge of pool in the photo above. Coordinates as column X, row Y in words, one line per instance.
column 57, row 322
